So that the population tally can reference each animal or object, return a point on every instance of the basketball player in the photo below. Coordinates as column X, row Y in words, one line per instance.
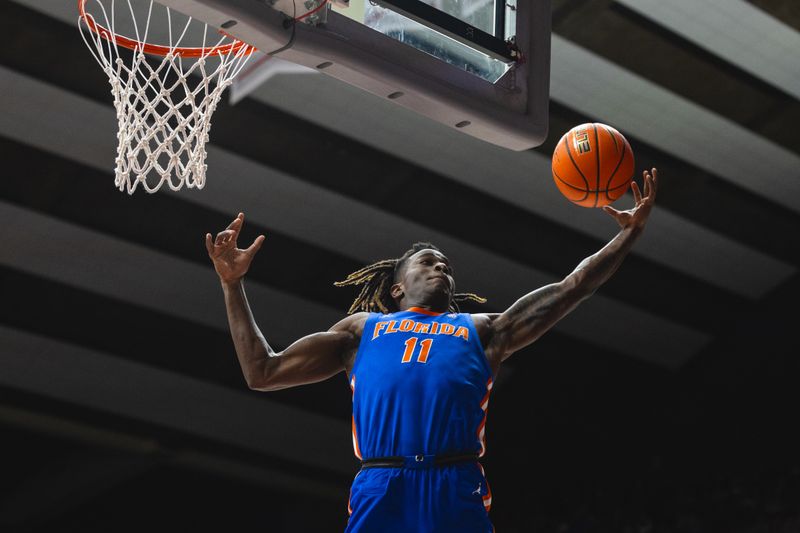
column 420, row 372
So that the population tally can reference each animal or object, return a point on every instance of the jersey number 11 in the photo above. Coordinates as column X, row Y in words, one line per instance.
column 424, row 350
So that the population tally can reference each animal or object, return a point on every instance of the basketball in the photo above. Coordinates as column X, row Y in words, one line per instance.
column 593, row 165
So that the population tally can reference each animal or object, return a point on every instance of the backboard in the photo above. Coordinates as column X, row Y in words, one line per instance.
column 483, row 69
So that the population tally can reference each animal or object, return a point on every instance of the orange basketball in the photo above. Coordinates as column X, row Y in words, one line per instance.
column 593, row 165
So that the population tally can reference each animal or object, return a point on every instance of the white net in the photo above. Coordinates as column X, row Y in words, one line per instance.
column 164, row 95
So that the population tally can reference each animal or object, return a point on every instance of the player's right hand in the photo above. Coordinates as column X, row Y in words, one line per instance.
column 230, row 262
column 637, row 216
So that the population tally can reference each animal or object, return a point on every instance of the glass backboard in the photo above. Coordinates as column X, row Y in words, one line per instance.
column 481, row 67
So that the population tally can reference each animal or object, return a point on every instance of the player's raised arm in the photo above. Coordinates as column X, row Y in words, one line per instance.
column 535, row 313
column 308, row 360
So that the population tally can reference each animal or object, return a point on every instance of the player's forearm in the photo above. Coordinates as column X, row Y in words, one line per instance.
column 596, row 269
column 252, row 349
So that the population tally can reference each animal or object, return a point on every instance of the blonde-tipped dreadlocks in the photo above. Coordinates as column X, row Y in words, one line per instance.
column 377, row 279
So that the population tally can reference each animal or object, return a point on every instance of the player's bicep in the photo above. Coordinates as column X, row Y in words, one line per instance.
column 313, row 358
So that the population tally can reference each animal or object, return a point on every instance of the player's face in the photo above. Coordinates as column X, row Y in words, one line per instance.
column 428, row 279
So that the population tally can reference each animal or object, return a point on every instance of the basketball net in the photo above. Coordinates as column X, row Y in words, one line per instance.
column 164, row 95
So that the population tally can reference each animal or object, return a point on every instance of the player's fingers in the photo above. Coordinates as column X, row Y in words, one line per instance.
column 256, row 246
column 637, row 195
column 236, row 224
column 611, row 211
column 209, row 244
column 654, row 186
column 651, row 182
column 223, row 237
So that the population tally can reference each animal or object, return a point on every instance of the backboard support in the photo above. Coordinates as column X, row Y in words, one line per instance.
column 511, row 112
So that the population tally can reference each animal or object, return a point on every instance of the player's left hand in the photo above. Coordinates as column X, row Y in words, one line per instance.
column 231, row 262
column 637, row 216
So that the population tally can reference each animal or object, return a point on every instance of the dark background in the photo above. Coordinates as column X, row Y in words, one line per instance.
column 108, row 396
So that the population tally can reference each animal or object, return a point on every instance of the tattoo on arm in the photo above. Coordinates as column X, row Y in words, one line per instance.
column 535, row 313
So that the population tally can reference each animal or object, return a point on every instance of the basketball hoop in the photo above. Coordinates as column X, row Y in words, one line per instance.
column 164, row 106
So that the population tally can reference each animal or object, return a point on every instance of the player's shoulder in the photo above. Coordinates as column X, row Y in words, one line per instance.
column 484, row 318
column 484, row 322
column 353, row 324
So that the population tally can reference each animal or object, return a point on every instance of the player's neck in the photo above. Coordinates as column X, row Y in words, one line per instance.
column 432, row 307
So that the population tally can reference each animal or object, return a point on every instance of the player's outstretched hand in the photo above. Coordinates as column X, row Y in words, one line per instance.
column 230, row 262
column 637, row 216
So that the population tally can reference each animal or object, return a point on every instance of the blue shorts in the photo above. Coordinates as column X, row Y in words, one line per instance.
column 443, row 499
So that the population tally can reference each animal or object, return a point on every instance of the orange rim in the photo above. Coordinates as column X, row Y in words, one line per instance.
column 155, row 49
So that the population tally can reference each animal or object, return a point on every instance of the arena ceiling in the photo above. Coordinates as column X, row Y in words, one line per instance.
column 117, row 370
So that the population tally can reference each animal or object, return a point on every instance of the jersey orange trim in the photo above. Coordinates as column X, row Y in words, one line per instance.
column 422, row 311
column 481, row 433
column 356, row 449
column 487, row 500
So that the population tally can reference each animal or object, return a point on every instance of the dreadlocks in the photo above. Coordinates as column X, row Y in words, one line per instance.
column 377, row 279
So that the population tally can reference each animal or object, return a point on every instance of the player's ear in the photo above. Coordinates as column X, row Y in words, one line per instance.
column 396, row 291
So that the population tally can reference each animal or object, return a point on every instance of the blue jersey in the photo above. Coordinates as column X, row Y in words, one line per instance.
column 421, row 385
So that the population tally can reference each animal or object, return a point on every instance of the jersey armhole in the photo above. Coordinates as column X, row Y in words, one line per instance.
column 361, row 344
column 474, row 332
